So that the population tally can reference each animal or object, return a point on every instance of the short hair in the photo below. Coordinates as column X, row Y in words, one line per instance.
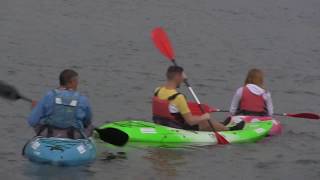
column 173, row 71
column 66, row 76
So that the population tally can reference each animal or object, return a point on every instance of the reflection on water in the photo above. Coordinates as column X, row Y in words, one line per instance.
column 165, row 161
column 41, row 172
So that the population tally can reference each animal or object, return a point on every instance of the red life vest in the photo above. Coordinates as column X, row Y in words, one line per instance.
column 252, row 102
column 160, row 108
column 162, row 115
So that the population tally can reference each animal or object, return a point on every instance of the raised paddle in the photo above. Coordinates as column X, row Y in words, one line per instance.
column 111, row 135
column 162, row 42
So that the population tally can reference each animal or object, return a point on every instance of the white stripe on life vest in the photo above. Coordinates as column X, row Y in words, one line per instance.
column 58, row 101
column 74, row 103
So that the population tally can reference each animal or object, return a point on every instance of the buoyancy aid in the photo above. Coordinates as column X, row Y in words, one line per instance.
column 252, row 104
column 63, row 116
column 162, row 114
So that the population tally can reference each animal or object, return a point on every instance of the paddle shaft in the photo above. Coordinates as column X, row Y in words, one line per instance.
column 280, row 114
column 194, row 96
column 26, row 99
column 226, row 111
column 298, row 115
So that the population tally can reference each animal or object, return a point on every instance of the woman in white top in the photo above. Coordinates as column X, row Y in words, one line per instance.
column 252, row 98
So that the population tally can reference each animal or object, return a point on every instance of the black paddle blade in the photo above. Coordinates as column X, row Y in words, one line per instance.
column 9, row 92
column 113, row 136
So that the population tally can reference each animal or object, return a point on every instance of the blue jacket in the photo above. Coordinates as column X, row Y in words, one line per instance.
column 44, row 109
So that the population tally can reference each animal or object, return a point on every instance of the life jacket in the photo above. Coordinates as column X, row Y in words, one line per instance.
column 251, row 104
column 63, row 115
column 162, row 114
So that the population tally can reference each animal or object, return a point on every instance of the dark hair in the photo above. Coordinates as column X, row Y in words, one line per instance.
column 66, row 76
column 173, row 70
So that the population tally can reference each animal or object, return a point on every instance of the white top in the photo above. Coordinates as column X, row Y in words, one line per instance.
column 255, row 90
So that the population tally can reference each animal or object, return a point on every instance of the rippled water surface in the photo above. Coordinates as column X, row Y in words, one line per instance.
column 108, row 43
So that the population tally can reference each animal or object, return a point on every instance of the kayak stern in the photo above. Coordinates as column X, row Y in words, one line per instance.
column 60, row 151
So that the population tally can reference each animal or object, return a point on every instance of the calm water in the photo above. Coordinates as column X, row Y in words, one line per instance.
column 108, row 42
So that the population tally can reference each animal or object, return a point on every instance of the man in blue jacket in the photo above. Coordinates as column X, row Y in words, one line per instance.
column 63, row 112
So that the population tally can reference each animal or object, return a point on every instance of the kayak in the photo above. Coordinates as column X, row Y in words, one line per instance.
column 148, row 132
column 60, row 151
column 276, row 125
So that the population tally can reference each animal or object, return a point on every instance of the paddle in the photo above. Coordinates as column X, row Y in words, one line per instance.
column 113, row 136
column 11, row 93
column 294, row 115
column 299, row 115
column 163, row 43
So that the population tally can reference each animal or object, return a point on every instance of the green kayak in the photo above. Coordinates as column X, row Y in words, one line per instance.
column 139, row 131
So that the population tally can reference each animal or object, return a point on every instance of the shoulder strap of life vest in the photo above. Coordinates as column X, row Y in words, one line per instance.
column 170, row 98
column 173, row 97
column 157, row 92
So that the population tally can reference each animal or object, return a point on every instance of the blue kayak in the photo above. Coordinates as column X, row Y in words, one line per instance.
column 60, row 151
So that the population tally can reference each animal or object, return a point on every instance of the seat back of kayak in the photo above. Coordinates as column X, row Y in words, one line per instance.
column 60, row 151
column 142, row 131
column 252, row 132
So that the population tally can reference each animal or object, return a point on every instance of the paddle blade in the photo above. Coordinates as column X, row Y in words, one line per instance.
column 113, row 136
column 304, row 115
column 221, row 139
column 9, row 92
column 162, row 42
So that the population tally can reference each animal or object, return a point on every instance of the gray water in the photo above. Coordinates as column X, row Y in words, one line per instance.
column 108, row 43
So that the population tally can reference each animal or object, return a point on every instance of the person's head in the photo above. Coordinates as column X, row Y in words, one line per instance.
column 175, row 74
column 69, row 79
column 255, row 76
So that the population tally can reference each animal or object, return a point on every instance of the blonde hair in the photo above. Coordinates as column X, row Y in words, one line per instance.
column 255, row 76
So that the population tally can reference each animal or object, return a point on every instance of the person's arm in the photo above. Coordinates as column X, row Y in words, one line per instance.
column 269, row 103
column 183, row 108
column 85, row 111
column 235, row 101
column 39, row 111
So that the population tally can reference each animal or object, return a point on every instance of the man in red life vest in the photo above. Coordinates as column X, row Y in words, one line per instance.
column 170, row 108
